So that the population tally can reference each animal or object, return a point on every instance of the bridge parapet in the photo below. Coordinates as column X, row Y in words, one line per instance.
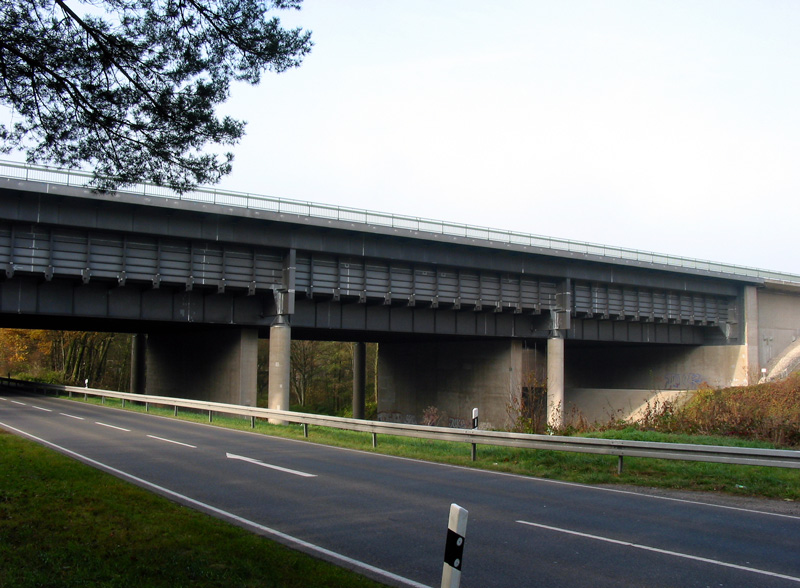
column 315, row 212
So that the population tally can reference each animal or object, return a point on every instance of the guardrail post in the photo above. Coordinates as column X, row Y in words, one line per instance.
column 454, row 546
column 374, row 440
column 619, row 465
column 252, row 422
column 305, row 430
column 176, row 410
column 210, row 417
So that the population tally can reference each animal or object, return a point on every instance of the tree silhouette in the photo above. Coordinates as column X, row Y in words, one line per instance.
column 130, row 87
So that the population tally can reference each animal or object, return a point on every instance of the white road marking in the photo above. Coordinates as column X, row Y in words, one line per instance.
column 171, row 441
column 664, row 551
column 18, row 402
column 227, row 515
column 72, row 416
column 112, row 426
column 270, row 466
column 40, row 408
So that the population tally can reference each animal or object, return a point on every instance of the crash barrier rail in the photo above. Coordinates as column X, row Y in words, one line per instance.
column 784, row 458
column 67, row 177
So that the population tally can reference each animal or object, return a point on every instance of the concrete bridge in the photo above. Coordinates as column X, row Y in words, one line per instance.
column 465, row 316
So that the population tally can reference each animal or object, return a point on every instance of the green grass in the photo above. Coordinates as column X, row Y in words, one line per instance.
column 767, row 482
column 64, row 524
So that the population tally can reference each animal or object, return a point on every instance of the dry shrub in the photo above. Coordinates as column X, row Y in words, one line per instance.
column 768, row 412
column 431, row 417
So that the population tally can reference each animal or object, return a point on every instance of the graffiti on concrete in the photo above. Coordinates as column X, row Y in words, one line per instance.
column 397, row 417
column 679, row 381
column 410, row 419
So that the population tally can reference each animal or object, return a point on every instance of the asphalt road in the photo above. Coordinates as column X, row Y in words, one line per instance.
column 387, row 517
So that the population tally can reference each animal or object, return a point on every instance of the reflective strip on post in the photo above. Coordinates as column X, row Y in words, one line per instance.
column 454, row 547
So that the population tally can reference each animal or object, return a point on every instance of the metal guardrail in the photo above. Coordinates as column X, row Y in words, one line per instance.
column 784, row 458
column 66, row 177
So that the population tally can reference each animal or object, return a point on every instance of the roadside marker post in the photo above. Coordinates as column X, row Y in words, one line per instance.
column 474, row 426
column 454, row 546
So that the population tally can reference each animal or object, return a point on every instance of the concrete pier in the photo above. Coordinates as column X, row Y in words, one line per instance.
column 280, row 352
column 447, row 379
column 556, row 406
column 138, row 363
column 359, row 380
column 218, row 365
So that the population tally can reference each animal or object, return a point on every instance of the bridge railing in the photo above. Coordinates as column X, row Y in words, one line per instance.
column 621, row 448
column 324, row 211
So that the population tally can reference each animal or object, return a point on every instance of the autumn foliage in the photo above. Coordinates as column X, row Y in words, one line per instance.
column 64, row 357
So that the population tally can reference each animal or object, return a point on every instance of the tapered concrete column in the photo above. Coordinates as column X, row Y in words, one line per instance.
column 138, row 365
column 555, row 382
column 280, row 352
column 751, row 338
column 359, row 380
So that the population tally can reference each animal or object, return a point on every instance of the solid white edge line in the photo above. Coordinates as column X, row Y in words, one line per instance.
column 72, row 416
column 223, row 513
column 270, row 466
column 662, row 551
column 112, row 426
column 171, row 441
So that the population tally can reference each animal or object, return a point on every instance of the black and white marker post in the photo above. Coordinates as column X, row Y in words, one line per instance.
column 454, row 547
column 474, row 426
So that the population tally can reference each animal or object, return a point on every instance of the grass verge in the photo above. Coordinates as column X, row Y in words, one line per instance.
column 767, row 482
column 64, row 524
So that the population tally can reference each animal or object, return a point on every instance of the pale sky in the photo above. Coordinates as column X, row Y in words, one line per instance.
column 668, row 126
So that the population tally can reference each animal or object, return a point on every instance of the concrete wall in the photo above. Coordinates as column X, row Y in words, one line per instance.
column 601, row 381
column 218, row 365
column 778, row 323
column 603, row 405
column 453, row 376
column 655, row 367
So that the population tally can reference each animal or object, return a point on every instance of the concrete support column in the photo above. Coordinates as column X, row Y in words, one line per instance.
column 219, row 365
column 280, row 352
column 555, row 382
column 452, row 377
column 751, row 337
column 138, row 364
column 359, row 380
